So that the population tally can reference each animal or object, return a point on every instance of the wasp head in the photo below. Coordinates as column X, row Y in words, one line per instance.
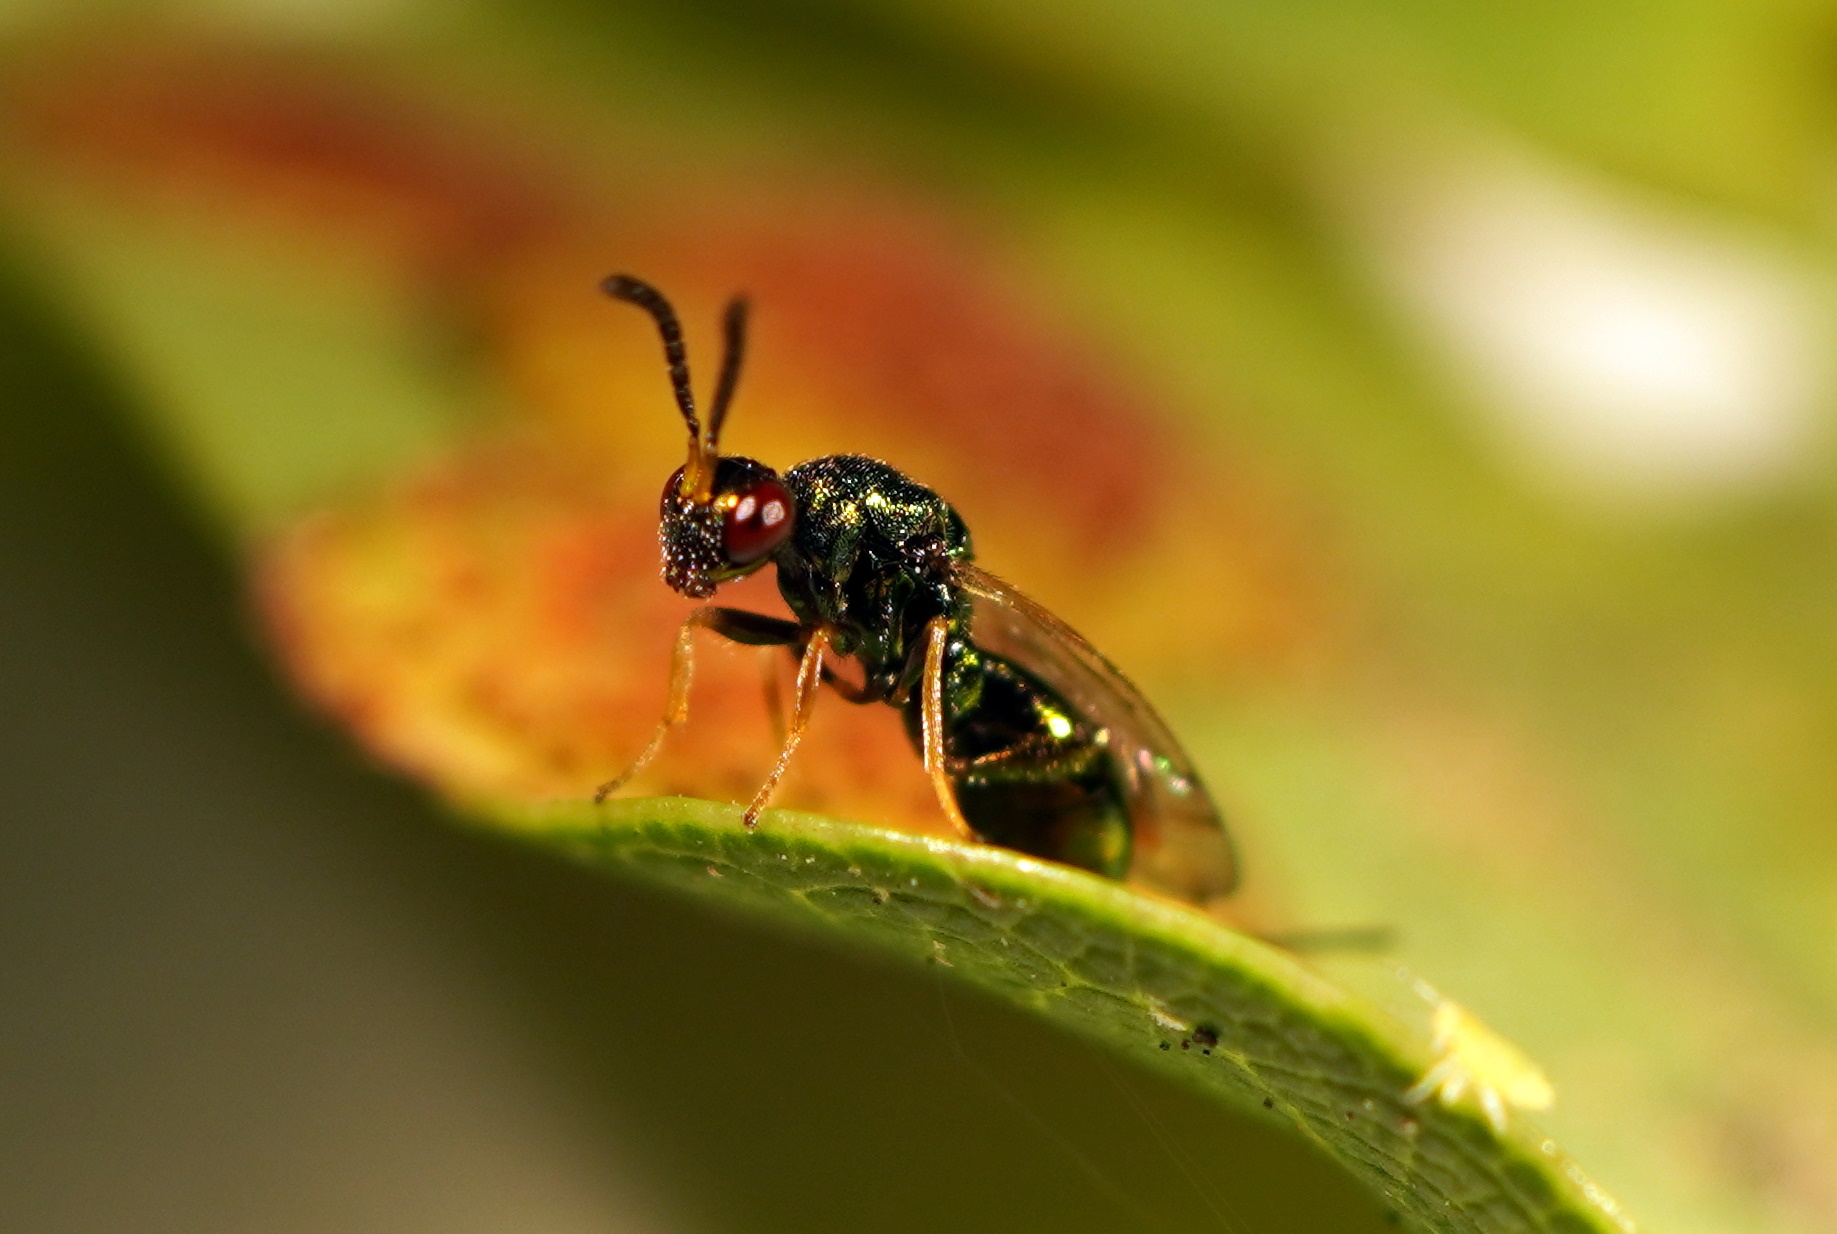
column 721, row 518
column 747, row 515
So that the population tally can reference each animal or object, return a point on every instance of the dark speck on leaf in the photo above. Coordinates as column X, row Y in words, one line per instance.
column 1165, row 1046
column 1269, row 1103
column 1206, row 1035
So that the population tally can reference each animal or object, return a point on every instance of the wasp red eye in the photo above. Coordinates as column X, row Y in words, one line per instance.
column 758, row 522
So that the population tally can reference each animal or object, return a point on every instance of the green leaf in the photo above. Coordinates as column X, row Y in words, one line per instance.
column 355, row 398
column 1225, row 1014
column 1131, row 973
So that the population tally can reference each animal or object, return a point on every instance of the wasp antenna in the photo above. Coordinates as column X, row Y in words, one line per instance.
column 733, row 326
column 637, row 291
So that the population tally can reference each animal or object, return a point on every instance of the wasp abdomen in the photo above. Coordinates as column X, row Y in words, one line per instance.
column 1030, row 776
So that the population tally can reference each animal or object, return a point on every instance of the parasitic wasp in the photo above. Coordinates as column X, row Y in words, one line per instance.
column 1032, row 740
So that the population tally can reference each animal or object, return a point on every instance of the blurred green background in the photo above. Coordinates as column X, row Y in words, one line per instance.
column 1531, row 306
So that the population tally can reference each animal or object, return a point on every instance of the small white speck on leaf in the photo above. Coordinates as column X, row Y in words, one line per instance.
column 1471, row 1055
column 1163, row 1019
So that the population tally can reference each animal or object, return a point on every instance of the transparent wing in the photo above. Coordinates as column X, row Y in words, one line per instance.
column 1181, row 844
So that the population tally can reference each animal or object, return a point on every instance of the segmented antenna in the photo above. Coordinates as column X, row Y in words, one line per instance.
column 733, row 327
column 637, row 291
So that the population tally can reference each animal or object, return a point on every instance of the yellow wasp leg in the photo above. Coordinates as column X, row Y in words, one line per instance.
column 931, row 723
column 774, row 693
column 735, row 625
column 809, row 677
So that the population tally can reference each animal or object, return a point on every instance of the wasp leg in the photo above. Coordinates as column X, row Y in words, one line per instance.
column 931, row 719
column 1035, row 756
column 848, row 690
column 809, row 677
column 736, row 625
column 774, row 690
column 774, row 693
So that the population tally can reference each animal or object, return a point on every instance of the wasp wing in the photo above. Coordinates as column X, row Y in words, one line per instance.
column 1181, row 843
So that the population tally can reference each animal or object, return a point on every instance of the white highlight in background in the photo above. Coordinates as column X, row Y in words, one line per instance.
column 1624, row 349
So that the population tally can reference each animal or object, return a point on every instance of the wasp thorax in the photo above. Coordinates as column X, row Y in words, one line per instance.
column 747, row 514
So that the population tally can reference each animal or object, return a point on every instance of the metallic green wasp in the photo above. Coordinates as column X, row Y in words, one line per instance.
column 1031, row 738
